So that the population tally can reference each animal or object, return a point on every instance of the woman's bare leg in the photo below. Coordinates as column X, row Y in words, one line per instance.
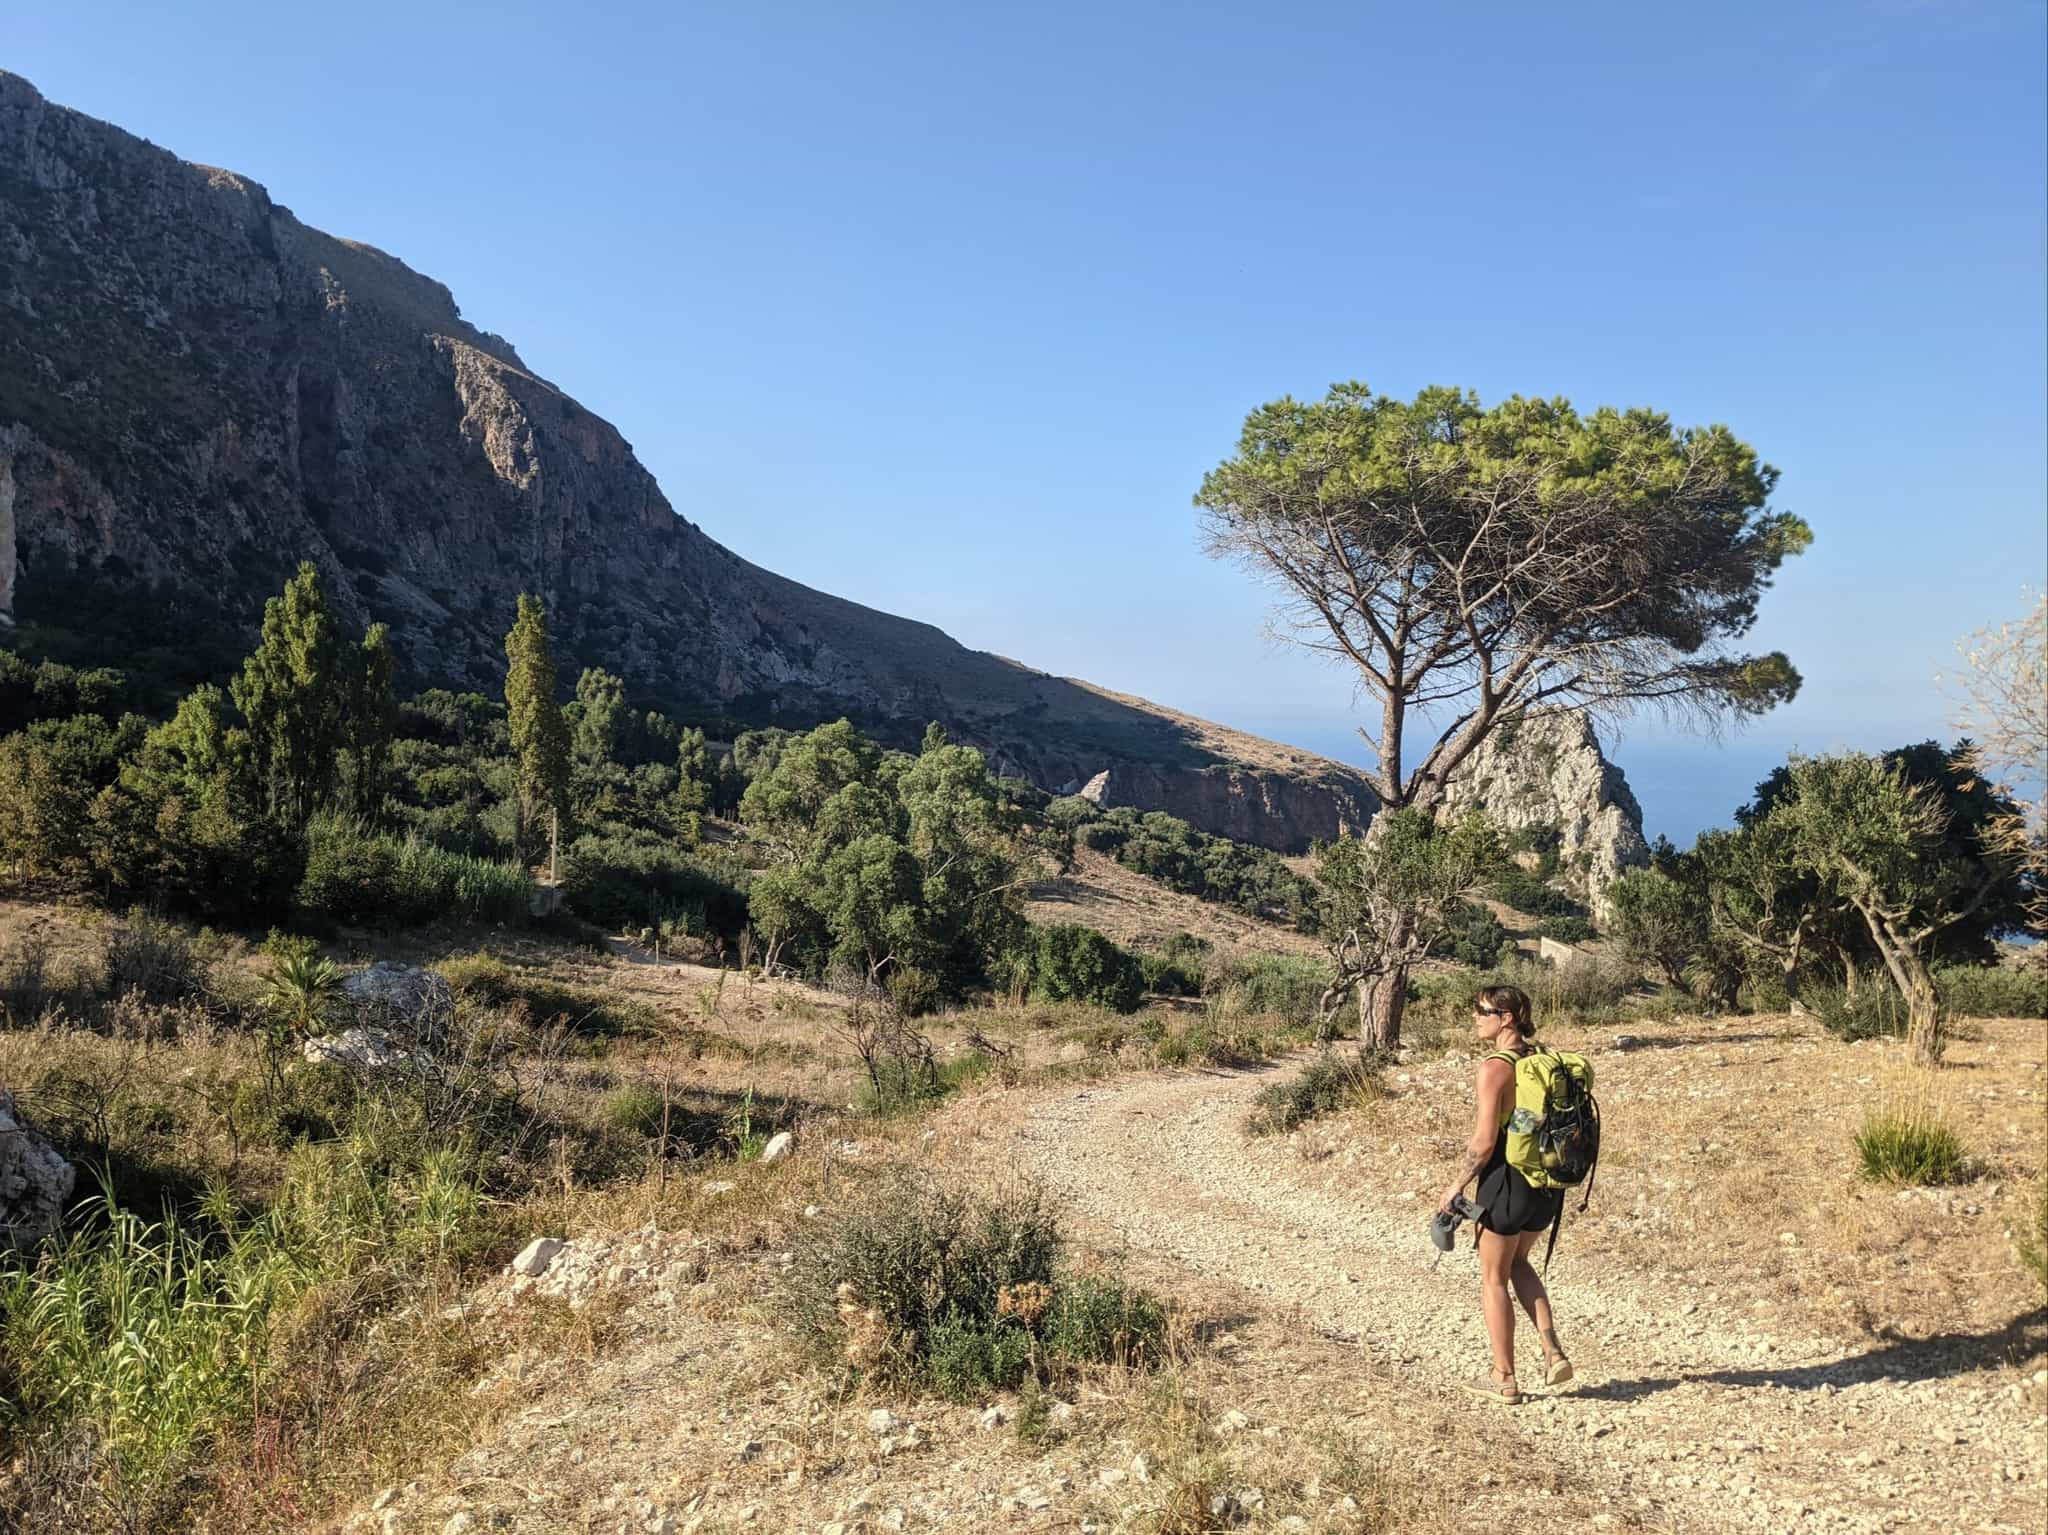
column 1496, row 1259
column 1534, row 1297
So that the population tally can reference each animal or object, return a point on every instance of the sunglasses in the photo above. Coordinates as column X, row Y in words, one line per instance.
column 1493, row 1012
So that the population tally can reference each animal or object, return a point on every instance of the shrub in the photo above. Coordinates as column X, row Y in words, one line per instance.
column 1099, row 1317
column 1590, row 988
column 1330, row 1082
column 1992, row 991
column 1439, row 1004
column 1202, row 1043
column 626, row 881
column 1532, row 896
column 1475, row 937
column 351, row 878
column 916, row 1252
column 1910, row 1145
column 1876, row 1011
column 1078, row 964
column 967, row 1360
column 1567, row 929
column 1170, row 977
column 360, row 878
column 912, row 991
column 925, row 1282
column 1284, row 987
column 1173, row 853
column 156, row 959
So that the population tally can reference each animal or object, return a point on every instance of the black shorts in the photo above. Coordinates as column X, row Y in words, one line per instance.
column 1509, row 1205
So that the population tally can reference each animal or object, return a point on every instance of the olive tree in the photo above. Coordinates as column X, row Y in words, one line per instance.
column 1881, row 841
column 1472, row 566
column 1390, row 896
column 1658, row 920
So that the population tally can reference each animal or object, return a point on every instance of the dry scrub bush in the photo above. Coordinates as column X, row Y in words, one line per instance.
column 920, row 1282
column 1335, row 1080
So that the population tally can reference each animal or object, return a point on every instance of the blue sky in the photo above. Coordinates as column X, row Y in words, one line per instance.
column 947, row 308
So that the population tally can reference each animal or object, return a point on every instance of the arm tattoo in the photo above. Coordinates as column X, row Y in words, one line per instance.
column 1474, row 1161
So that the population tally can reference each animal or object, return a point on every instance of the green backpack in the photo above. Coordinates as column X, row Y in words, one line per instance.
column 1553, row 1131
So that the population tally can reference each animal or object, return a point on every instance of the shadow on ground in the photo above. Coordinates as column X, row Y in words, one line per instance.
column 2020, row 1340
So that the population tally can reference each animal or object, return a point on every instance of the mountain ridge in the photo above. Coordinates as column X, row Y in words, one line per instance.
column 197, row 390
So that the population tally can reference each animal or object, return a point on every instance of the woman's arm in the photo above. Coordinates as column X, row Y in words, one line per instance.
column 1496, row 1080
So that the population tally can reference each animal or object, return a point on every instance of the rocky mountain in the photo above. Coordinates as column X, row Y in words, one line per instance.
column 197, row 391
column 1547, row 771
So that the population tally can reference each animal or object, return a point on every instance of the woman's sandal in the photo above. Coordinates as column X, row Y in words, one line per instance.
column 1505, row 1392
column 1558, row 1372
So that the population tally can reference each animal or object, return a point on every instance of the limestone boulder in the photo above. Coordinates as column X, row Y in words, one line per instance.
column 35, row 1180
column 357, row 1049
column 403, row 1003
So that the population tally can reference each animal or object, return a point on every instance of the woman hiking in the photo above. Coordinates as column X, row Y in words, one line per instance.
column 1513, row 1215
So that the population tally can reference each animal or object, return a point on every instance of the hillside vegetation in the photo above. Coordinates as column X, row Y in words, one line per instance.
column 712, row 1007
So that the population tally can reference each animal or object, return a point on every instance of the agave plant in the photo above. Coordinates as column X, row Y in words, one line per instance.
column 303, row 992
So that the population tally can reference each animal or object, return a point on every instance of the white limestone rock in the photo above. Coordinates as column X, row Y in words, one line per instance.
column 35, row 1180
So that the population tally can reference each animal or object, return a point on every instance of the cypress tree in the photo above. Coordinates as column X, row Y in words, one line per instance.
column 540, row 736
column 370, row 723
column 602, row 700
column 291, row 698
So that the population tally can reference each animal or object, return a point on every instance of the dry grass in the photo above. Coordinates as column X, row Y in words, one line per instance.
column 1138, row 913
column 1720, row 1136
column 1730, row 1163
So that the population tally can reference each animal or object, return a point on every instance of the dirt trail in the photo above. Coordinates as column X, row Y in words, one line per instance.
column 1689, row 1417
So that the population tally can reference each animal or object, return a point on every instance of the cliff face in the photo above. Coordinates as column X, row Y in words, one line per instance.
column 197, row 391
column 1232, row 802
column 1549, row 771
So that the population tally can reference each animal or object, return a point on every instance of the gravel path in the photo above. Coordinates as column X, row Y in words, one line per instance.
column 1690, row 1418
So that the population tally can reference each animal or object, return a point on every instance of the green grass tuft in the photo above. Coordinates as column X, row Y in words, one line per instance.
column 1910, row 1146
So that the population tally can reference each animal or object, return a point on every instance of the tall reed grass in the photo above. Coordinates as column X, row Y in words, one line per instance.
column 151, row 1337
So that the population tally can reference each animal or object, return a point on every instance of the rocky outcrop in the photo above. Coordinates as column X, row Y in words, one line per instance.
column 1271, row 809
column 197, row 391
column 35, row 1180
column 1547, row 771
column 400, row 1002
